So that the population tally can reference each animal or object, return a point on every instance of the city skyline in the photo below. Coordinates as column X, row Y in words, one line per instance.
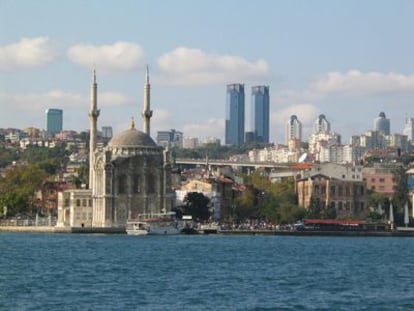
column 346, row 60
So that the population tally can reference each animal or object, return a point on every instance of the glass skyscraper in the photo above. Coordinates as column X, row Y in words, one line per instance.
column 260, row 113
column 235, row 115
column 54, row 120
column 382, row 124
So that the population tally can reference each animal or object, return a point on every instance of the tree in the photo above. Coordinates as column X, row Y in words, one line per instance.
column 400, row 196
column 315, row 209
column 18, row 187
column 196, row 204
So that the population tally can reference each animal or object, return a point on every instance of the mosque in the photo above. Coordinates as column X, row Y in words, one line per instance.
column 130, row 176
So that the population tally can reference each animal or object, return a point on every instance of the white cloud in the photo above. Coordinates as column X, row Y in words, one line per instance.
column 209, row 128
column 120, row 56
column 186, row 66
column 306, row 113
column 28, row 52
column 357, row 82
column 61, row 99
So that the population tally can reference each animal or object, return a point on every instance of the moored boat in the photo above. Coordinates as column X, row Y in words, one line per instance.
column 161, row 223
column 137, row 228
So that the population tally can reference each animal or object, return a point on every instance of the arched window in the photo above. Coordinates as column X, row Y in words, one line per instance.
column 137, row 184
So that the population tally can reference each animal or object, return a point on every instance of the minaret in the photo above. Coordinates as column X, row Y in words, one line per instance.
column 93, row 120
column 146, row 112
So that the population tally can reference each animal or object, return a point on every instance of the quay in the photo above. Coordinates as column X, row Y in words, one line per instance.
column 349, row 233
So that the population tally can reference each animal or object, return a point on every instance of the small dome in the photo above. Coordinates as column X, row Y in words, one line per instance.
column 382, row 115
column 131, row 138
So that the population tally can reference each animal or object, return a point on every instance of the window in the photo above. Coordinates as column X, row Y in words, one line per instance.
column 381, row 180
column 150, row 183
column 78, row 202
column 122, row 184
column 137, row 184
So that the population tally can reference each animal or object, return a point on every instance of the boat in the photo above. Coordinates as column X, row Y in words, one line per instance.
column 137, row 228
column 161, row 223
column 209, row 228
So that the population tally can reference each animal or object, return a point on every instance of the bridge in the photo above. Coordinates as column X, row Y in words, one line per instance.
column 247, row 165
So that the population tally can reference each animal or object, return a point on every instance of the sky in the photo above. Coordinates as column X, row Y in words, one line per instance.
column 349, row 60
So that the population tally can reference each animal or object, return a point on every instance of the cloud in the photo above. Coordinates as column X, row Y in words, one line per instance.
column 61, row 99
column 306, row 113
column 357, row 82
column 28, row 52
column 212, row 127
column 186, row 66
column 120, row 56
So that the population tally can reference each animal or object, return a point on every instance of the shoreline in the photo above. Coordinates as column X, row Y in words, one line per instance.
column 49, row 229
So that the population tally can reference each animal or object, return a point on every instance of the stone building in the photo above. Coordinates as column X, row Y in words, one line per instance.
column 129, row 177
column 348, row 197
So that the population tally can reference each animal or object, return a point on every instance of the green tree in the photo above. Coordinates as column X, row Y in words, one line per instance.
column 315, row 209
column 18, row 187
column 196, row 204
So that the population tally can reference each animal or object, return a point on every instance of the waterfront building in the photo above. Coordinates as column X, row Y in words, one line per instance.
column 343, row 197
column 234, row 126
column 382, row 124
column 129, row 177
column 293, row 129
column 380, row 178
column 54, row 120
column 260, row 113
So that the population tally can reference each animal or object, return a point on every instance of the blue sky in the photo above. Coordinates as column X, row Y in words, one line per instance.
column 349, row 60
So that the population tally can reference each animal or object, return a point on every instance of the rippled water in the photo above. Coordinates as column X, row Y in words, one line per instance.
column 120, row 272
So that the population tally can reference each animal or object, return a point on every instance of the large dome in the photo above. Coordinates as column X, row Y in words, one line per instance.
column 130, row 139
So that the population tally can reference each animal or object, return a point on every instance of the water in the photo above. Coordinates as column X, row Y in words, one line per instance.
column 215, row 272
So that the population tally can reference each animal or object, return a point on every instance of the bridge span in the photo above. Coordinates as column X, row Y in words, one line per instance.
column 234, row 164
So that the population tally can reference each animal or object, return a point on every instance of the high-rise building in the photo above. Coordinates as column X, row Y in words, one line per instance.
column 293, row 129
column 107, row 132
column 235, row 115
column 171, row 138
column 260, row 113
column 382, row 124
column 54, row 120
column 321, row 125
column 409, row 128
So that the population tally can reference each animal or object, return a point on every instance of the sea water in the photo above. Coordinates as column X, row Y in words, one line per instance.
column 205, row 272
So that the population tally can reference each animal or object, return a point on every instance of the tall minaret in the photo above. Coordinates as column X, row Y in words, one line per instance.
column 146, row 112
column 93, row 120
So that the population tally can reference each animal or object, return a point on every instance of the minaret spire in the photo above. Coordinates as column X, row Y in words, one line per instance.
column 146, row 112
column 93, row 120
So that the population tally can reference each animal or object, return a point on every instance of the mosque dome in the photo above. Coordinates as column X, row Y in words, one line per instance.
column 131, row 138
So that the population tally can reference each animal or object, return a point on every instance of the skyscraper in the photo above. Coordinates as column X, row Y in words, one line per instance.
column 382, row 124
column 409, row 128
column 235, row 115
column 321, row 125
column 54, row 120
column 260, row 113
column 293, row 129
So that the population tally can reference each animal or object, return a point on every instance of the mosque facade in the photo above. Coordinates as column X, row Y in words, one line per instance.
column 129, row 177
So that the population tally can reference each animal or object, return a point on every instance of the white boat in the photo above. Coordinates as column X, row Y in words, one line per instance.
column 163, row 223
column 160, row 223
column 137, row 228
